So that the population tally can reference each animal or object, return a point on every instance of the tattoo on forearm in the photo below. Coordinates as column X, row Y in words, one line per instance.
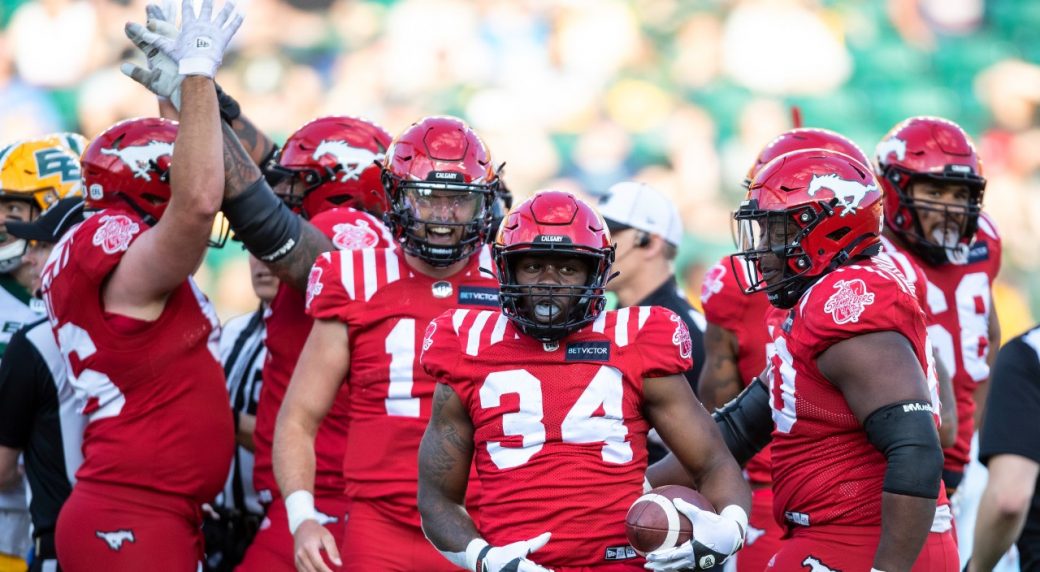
column 255, row 143
column 239, row 169
column 295, row 268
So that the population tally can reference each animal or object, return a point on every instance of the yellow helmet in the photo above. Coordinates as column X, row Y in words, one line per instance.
column 68, row 139
column 40, row 171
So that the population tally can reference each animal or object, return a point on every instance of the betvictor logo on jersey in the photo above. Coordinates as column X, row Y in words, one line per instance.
column 588, row 351
column 478, row 296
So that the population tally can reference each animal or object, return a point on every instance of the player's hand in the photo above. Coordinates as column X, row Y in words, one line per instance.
column 199, row 46
column 715, row 538
column 162, row 77
column 511, row 557
column 309, row 541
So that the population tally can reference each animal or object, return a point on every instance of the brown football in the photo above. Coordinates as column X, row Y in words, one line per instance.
column 654, row 523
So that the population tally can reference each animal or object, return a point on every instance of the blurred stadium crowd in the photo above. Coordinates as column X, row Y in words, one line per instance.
column 580, row 94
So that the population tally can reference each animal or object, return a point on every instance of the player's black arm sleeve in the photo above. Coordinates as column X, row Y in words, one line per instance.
column 905, row 433
column 746, row 422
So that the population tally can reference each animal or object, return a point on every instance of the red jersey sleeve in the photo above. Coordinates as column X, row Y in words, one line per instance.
column 101, row 242
column 351, row 229
column 441, row 351
column 851, row 302
column 721, row 298
column 664, row 344
column 327, row 297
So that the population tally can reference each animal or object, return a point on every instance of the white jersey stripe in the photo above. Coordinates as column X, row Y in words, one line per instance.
column 457, row 318
column 644, row 315
column 473, row 340
column 346, row 273
column 499, row 331
column 621, row 328
column 368, row 261
column 600, row 324
column 484, row 259
column 393, row 269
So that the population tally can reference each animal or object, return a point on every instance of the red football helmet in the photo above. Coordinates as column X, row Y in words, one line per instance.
column 553, row 222
column 936, row 150
column 439, row 162
column 129, row 164
column 336, row 163
column 806, row 213
column 805, row 138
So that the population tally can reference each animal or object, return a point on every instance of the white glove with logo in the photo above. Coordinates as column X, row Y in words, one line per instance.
column 715, row 538
column 162, row 77
column 199, row 47
column 482, row 557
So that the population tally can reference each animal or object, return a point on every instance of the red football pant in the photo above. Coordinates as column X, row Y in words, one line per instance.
column 763, row 534
column 375, row 541
column 272, row 548
column 852, row 549
column 117, row 529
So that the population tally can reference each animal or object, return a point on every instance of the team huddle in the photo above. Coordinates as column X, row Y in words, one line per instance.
column 444, row 387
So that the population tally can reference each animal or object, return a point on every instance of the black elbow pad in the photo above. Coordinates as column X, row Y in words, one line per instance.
column 746, row 423
column 905, row 434
column 268, row 228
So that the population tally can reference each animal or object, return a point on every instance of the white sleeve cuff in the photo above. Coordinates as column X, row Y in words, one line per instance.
column 197, row 66
column 299, row 506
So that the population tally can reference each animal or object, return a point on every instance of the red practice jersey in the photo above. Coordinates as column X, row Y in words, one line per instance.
column 559, row 433
column 825, row 471
column 959, row 304
column 157, row 409
column 386, row 306
column 725, row 305
column 287, row 329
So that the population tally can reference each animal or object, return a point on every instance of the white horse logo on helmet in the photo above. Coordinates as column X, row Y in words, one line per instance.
column 354, row 160
column 889, row 146
column 140, row 157
column 848, row 193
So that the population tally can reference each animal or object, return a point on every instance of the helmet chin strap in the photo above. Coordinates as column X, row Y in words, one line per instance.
column 11, row 256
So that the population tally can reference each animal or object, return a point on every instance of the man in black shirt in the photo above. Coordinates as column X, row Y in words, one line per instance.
column 38, row 409
column 1009, row 445
column 647, row 229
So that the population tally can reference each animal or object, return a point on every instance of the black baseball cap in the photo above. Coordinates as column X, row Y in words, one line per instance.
column 52, row 224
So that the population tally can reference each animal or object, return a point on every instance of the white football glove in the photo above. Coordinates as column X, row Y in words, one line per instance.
column 482, row 557
column 715, row 538
column 199, row 47
column 162, row 77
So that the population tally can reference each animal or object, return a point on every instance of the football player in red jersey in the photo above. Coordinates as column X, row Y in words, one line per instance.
column 370, row 308
column 932, row 178
column 855, row 451
column 326, row 171
column 554, row 397
column 138, row 337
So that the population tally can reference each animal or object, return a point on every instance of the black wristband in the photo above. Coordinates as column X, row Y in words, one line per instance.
column 229, row 108
column 268, row 228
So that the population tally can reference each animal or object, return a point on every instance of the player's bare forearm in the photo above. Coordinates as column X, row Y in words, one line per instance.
column 255, row 142
column 445, row 454
column 669, row 471
column 905, row 522
column 322, row 365
column 691, row 434
column 295, row 267
column 720, row 378
column 240, row 171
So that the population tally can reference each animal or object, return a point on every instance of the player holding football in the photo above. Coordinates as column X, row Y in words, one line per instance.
column 370, row 308
column 554, row 398
column 139, row 339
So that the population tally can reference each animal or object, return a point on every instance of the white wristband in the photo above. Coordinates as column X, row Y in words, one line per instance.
column 473, row 551
column 197, row 66
column 738, row 514
column 299, row 506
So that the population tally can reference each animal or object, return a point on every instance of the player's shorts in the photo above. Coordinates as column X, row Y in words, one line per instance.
column 376, row 541
column 125, row 529
column 272, row 548
column 829, row 548
column 763, row 534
